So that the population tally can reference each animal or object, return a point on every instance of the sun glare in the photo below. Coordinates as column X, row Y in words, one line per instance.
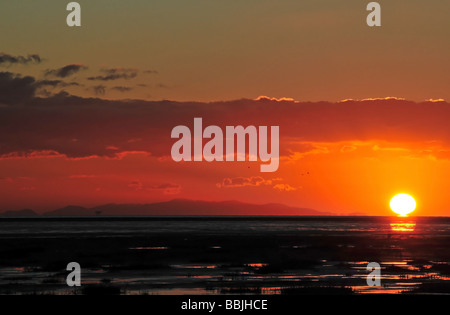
column 403, row 204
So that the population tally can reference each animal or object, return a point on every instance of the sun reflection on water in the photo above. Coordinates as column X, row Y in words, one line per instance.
column 403, row 226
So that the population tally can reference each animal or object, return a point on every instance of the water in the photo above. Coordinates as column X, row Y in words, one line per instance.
column 147, row 225
column 224, row 255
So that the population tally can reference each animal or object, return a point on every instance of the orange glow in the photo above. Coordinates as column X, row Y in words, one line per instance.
column 325, row 165
column 403, row 227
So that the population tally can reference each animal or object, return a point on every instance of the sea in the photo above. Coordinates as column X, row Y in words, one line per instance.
column 178, row 255
column 122, row 225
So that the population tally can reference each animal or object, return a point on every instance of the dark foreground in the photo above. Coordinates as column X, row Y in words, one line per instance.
column 226, row 261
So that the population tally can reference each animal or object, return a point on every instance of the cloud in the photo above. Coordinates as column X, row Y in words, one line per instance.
column 31, row 123
column 7, row 59
column 65, row 71
column 99, row 89
column 284, row 187
column 15, row 88
column 267, row 98
column 122, row 88
column 388, row 98
column 31, row 154
column 299, row 150
column 255, row 181
column 56, row 83
column 243, row 181
column 115, row 74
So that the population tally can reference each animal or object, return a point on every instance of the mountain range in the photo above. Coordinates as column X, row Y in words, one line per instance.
column 176, row 207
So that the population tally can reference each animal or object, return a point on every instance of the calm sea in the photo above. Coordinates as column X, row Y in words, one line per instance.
column 224, row 255
column 49, row 226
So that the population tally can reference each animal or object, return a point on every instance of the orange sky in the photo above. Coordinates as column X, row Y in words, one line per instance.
column 83, row 116
column 345, row 157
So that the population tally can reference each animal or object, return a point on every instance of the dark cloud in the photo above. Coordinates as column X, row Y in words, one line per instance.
column 84, row 127
column 44, row 93
column 51, row 83
column 122, row 88
column 15, row 88
column 7, row 59
column 44, row 85
column 55, row 83
column 65, row 71
column 115, row 74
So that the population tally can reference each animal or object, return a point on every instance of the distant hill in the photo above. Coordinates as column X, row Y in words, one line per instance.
column 70, row 211
column 186, row 207
column 19, row 213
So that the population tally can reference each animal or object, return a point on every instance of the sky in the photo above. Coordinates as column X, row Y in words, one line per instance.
column 86, row 112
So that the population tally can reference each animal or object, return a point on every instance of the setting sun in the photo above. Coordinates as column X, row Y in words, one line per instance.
column 403, row 204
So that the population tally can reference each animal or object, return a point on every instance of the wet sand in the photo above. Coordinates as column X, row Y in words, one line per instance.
column 226, row 262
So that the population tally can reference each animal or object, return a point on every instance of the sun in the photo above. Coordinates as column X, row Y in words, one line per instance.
column 403, row 204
